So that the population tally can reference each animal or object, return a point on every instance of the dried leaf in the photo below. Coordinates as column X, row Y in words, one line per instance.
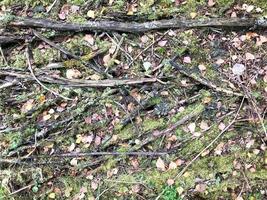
column 71, row 147
column 89, row 38
column 172, row 165
column 249, row 56
column 262, row 39
column 74, row 162
column 187, row 60
column 193, row 15
column 162, row 43
column 200, row 187
column 147, row 65
column 52, row 195
column 27, row 106
column 192, row 127
column 221, row 126
column 204, row 125
column 73, row 74
column 202, row 67
column 160, row 164
column 91, row 14
column 211, row 3
column 218, row 150
column 170, row 182
column 238, row 69
column 94, row 185
column 106, row 59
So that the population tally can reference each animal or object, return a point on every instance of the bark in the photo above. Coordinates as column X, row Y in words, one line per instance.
column 135, row 27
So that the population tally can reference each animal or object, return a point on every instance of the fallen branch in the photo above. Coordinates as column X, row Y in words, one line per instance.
column 86, row 154
column 135, row 27
column 79, row 82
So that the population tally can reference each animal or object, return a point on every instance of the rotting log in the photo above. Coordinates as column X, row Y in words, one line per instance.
column 135, row 27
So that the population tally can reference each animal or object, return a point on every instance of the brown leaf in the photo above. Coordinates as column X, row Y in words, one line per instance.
column 249, row 56
column 211, row 3
column 89, row 38
column 200, row 187
column 73, row 74
column 160, row 164
column 27, row 106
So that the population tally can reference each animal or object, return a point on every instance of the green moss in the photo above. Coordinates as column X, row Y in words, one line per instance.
column 126, row 133
column 151, row 124
column 44, row 56
column 18, row 61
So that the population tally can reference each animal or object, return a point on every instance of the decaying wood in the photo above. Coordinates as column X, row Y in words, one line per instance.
column 135, row 27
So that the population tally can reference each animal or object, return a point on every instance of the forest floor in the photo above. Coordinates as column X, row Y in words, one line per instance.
column 193, row 127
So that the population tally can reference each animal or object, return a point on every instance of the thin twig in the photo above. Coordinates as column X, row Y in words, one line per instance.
column 21, row 189
column 51, row 6
column 39, row 82
column 3, row 56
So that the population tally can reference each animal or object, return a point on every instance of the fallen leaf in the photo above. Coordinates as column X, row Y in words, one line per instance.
column 136, row 188
column 162, row 43
column 52, row 195
column 187, row 60
column 200, row 187
column 170, row 182
column 250, row 144
column 249, row 8
column 74, row 8
column 160, row 164
column 221, row 126
column 144, row 39
column 89, row 38
column 73, row 74
column 218, row 150
column 172, row 165
column 94, row 185
column 192, row 127
column 196, row 134
column 204, row 125
column 219, row 61
column 249, row 56
column 147, row 65
column 238, row 69
column 71, row 147
column 262, row 39
column 106, row 59
column 74, row 162
column 259, row 10
column 27, row 106
column 91, row 14
column 202, row 67
column 179, row 162
column 193, row 15
column 131, row 8
column 97, row 140
column 211, row 3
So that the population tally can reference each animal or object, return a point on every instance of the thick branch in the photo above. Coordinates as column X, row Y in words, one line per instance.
column 136, row 27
